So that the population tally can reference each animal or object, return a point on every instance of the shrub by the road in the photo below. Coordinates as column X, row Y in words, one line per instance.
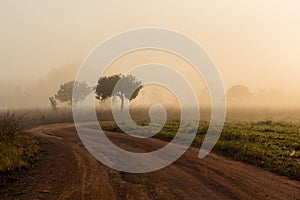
column 17, row 150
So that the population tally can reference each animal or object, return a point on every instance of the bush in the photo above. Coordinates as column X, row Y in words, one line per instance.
column 17, row 150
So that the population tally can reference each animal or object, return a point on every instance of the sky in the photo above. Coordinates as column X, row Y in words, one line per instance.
column 254, row 43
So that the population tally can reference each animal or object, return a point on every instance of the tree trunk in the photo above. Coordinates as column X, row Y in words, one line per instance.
column 122, row 102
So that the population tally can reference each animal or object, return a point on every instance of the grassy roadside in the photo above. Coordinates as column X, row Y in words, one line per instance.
column 268, row 144
column 17, row 150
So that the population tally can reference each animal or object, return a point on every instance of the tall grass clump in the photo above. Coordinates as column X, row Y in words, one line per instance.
column 17, row 150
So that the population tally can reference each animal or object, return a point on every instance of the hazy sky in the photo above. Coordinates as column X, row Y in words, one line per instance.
column 255, row 43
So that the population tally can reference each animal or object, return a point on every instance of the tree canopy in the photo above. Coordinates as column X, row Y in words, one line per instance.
column 65, row 92
column 238, row 93
column 128, row 87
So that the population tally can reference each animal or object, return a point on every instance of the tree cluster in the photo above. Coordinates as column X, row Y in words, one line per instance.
column 121, row 86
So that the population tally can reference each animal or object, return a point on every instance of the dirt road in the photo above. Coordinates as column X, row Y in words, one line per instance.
column 68, row 171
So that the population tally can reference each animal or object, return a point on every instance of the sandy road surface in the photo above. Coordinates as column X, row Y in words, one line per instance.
column 68, row 171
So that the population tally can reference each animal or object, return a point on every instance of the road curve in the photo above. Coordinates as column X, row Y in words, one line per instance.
column 68, row 171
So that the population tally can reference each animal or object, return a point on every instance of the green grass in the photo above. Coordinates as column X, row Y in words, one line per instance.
column 17, row 150
column 274, row 145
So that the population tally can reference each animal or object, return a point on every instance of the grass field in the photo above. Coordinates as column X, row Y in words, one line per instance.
column 274, row 145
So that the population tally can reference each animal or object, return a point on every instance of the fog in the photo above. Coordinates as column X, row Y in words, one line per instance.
column 253, row 44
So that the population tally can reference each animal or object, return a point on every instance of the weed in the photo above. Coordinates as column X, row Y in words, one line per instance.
column 17, row 150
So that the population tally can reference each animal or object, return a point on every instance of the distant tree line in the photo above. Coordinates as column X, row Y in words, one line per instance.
column 128, row 88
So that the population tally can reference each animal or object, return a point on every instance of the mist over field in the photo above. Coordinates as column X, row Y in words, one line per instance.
column 35, row 93
column 42, row 47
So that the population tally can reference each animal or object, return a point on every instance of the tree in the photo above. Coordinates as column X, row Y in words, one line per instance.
column 65, row 92
column 53, row 103
column 128, row 87
column 238, row 93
